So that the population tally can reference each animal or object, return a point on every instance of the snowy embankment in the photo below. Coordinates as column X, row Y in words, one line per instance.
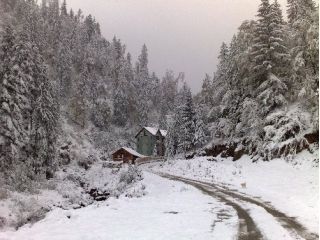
column 72, row 188
column 292, row 187
column 82, row 178
column 169, row 210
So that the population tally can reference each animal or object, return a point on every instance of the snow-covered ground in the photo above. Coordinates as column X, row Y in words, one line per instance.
column 157, row 208
column 73, row 187
column 169, row 210
column 292, row 188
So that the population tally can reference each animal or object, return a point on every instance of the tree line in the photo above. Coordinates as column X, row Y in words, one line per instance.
column 263, row 98
column 56, row 65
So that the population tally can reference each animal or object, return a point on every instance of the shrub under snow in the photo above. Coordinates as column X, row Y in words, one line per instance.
column 73, row 187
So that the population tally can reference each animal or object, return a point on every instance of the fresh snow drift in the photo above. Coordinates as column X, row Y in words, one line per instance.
column 170, row 210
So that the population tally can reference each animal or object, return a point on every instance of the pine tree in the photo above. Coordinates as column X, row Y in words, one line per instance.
column 242, row 87
column 232, row 85
column 220, row 80
column 187, row 127
column 143, row 62
column 223, row 58
column 121, row 75
column 304, row 29
column 206, row 91
column 270, row 57
column 142, row 86
column 11, row 90
column 299, row 10
column 27, row 13
column 117, row 52
column 89, row 24
column 63, row 9
column 130, row 91
column 172, row 138
column 162, row 119
column 269, row 49
column 261, row 46
column 63, row 65
column 52, row 33
column 64, row 69
column 169, row 91
column 121, row 104
column 78, row 105
column 200, row 137
column 44, row 120
column 29, row 113
column 154, row 90
column 304, row 41
column 278, row 49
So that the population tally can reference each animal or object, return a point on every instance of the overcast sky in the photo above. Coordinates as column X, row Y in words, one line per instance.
column 182, row 35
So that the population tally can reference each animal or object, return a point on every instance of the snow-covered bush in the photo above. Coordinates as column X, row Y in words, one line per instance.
column 28, row 211
column 130, row 174
column 86, row 162
column 284, row 133
column 138, row 190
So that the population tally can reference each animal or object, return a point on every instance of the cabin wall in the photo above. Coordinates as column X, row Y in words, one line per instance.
column 145, row 143
column 122, row 155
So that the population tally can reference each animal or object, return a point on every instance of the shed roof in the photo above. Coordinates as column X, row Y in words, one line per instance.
column 163, row 132
column 154, row 131
column 131, row 151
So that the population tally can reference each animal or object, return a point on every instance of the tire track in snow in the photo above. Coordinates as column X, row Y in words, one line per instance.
column 289, row 223
column 247, row 229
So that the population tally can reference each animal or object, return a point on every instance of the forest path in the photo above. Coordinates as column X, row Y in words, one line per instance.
column 249, row 228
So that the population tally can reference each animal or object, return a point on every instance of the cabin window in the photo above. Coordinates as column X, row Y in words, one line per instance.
column 158, row 137
column 144, row 133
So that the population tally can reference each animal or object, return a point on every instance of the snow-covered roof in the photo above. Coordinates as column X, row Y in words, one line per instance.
column 163, row 132
column 131, row 151
column 154, row 131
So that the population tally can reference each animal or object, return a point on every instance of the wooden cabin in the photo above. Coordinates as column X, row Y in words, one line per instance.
column 126, row 155
column 150, row 141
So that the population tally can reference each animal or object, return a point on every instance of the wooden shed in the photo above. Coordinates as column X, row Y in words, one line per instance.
column 126, row 155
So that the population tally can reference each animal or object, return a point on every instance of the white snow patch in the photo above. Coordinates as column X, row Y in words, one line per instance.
column 170, row 210
column 292, row 187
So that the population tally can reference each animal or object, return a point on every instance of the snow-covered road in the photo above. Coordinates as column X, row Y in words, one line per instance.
column 291, row 186
column 257, row 219
column 170, row 210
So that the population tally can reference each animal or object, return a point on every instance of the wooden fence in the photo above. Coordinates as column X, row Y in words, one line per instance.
column 140, row 161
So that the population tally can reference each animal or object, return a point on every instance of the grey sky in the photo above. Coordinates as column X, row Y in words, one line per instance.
column 182, row 35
